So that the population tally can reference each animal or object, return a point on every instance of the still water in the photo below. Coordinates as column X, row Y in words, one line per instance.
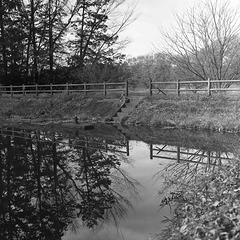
column 106, row 183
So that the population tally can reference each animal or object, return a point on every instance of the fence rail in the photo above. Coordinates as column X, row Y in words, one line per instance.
column 66, row 88
column 196, row 156
column 179, row 86
column 106, row 145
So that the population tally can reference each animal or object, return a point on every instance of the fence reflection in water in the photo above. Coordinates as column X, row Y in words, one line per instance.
column 183, row 154
column 50, row 180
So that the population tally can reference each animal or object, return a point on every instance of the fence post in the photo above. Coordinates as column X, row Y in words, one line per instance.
column 85, row 89
column 209, row 87
column 104, row 89
column 178, row 87
column 67, row 88
column 150, row 86
column 178, row 154
column 127, row 146
column 51, row 88
column 126, row 91
column 151, row 151
column 23, row 89
column 36, row 89
column 11, row 89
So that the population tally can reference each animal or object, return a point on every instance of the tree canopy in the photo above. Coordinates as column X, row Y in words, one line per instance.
column 40, row 40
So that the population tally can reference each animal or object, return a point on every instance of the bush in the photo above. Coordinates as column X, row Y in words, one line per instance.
column 208, row 208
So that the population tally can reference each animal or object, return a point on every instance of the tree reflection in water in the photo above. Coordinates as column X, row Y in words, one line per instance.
column 186, row 164
column 191, row 168
column 46, row 185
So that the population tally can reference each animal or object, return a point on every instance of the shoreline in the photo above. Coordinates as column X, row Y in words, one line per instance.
column 207, row 115
column 219, row 113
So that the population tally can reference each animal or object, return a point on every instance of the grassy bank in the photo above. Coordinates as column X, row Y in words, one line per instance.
column 60, row 107
column 219, row 112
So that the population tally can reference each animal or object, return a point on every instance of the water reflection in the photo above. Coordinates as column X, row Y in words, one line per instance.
column 45, row 184
column 186, row 168
column 187, row 162
column 184, row 165
column 51, row 181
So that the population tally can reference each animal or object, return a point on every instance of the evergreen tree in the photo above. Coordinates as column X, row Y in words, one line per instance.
column 94, row 38
column 34, row 36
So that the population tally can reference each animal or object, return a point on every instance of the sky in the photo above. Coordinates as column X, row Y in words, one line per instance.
column 154, row 16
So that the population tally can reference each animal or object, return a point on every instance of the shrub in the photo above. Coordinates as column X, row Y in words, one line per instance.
column 208, row 208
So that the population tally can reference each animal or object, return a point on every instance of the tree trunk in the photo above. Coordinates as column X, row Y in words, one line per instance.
column 4, row 55
column 50, row 42
column 33, row 31
column 9, row 192
column 1, row 179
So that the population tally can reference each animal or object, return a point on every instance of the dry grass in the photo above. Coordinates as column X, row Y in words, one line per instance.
column 58, row 107
column 219, row 112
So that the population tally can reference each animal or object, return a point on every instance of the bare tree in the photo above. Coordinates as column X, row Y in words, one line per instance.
column 205, row 43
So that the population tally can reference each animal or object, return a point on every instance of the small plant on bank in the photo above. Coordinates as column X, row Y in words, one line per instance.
column 206, row 209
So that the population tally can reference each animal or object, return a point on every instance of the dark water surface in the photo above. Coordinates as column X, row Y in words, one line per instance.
column 106, row 183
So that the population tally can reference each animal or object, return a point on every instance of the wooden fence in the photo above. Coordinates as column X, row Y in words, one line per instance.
column 87, row 142
column 179, row 86
column 66, row 88
column 196, row 156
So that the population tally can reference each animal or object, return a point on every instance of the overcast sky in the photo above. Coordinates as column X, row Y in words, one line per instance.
column 145, row 32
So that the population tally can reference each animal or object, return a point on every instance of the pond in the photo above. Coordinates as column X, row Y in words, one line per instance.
column 105, row 183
